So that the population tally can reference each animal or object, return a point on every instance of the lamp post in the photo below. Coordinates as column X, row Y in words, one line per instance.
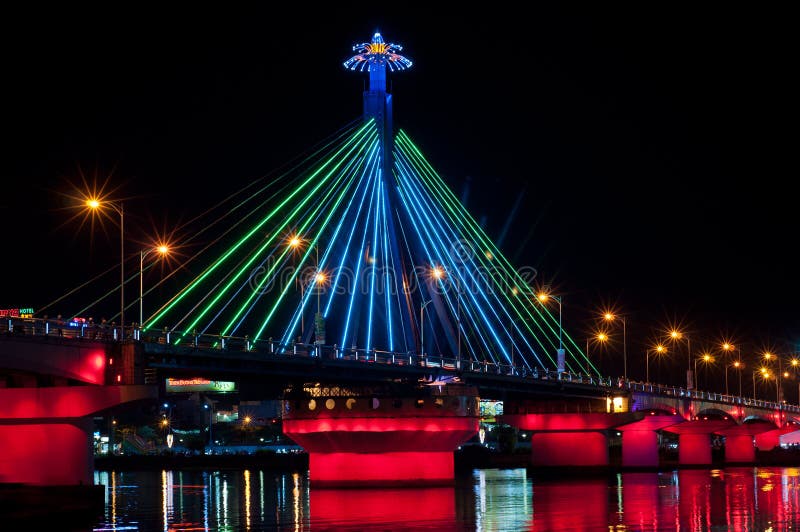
column 738, row 365
column 728, row 347
column 707, row 359
column 438, row 273
column 660, row 349
column 610, row 316
column 422, row 327
column 162, row 249
column 95, row 204
column 600, row 337
column 543, row 297
column 294, row 242
column 674, row 334
column 768, row 357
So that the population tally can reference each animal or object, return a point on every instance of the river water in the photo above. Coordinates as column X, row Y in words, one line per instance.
column 485, row 499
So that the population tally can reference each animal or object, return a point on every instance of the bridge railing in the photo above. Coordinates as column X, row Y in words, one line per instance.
column 674, row 391
column 109, row 332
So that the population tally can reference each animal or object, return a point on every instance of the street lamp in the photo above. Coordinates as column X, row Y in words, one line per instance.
column 439, row 273
column 766, row 376
column 95, row 205
column 162, row 250
column 707, row 359
column 675, row 335
column 795, row 363
column 610, row 316
column 422, row 327
column 660, row 349
column 600, row 337
column 543, row 297
column 768, row 357
column 295, row 243
column 728, row 347
column 739, row 366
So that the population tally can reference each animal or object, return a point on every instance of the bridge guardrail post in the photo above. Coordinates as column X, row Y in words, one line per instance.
column 222, row 342
column 247, row 342
column 166, row 334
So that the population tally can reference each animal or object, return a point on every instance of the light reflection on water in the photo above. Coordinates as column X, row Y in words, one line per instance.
column 488, row 499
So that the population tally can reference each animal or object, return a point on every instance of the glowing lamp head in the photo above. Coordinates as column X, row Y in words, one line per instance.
column 543, row 297
column 660, row 348
column 437, row 272
column 764, row 371
column 93, row 203
column 163, row 249
column 377, row 54
column 707, row 358
column 785, row 374
column 795, row 362
column 602, row 337
column 675, row 334
column 294, row 242
column 515, row 291
column 768, row 355
column 247, row 420
column 726, row 346
column 608, row 316
column 320, row 277
column 737, row 364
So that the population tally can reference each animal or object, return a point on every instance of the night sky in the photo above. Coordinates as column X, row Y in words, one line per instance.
column 650, row 149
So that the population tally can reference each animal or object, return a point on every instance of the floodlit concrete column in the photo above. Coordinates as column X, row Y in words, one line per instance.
column 567, row 439
column 694, row 440
column 640, row 439
column 739, row 441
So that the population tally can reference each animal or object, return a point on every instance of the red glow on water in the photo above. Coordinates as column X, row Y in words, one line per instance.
column 344, row 508
column 380, row 468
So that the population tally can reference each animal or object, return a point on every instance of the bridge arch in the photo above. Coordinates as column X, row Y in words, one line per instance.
column 714, row 413
column 755, row 418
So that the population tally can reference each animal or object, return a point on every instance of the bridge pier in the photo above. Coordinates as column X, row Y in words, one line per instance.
column 740, row 442
column 640, row 439
column 364, row 437
column 45, row 433
column 694, row 439
column 567, row 439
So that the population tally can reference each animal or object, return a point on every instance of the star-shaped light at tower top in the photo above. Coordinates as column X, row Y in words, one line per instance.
column 377, row 54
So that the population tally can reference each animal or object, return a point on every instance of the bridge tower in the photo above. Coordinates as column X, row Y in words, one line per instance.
column 375, row 57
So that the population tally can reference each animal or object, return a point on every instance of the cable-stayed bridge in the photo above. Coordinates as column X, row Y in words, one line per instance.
column 355, row 286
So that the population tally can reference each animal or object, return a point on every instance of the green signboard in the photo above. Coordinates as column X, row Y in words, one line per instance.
column 199, row 384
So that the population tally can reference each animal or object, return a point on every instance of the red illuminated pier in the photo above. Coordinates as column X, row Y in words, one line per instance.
column 381, row 436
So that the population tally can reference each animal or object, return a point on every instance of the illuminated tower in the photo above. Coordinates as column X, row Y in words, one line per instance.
column 375, row 57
